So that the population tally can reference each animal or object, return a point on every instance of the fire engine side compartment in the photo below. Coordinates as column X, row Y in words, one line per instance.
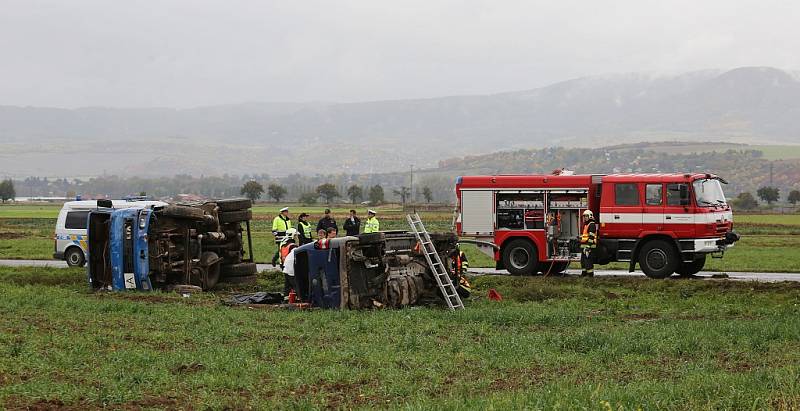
column 467, row 185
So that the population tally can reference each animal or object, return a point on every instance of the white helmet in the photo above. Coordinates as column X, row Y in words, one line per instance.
column 588, row 214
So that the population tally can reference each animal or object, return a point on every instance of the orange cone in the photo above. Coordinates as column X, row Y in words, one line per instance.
column 494, row 295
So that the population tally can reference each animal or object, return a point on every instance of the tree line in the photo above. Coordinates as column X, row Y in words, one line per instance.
column 329, row 193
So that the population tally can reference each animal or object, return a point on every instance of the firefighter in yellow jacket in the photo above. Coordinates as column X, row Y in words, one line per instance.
column 280, row 225
column 372, row 225
column 588, row 244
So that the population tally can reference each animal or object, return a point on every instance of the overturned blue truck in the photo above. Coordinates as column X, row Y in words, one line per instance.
column 201, row 245
column 145, row 248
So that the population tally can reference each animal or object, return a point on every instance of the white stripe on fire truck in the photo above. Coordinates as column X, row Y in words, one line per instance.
column 656, row 218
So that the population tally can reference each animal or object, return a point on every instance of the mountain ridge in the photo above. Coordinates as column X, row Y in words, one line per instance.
column 745, row 105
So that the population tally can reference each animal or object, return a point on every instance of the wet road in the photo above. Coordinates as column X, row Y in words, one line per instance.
column 738, row 276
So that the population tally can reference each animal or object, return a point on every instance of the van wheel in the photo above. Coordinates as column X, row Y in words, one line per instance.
column 658, row 259
column 520, row 257
column 74, row 257
column 688, row 269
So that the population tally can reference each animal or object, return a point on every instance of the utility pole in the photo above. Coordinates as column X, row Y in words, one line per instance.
column 770, row 173
column 411, row 185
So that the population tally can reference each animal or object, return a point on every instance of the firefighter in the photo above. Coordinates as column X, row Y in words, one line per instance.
column 460, row 261
column 280, row 224
column 588, row 244
column 460, row 267
column 304, row 229
column 372, row 225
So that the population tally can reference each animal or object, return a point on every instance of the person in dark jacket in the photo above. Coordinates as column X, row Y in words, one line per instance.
column 327, row 221
column 352, row 224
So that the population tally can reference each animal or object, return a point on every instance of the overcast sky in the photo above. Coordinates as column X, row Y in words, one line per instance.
column 71, row 53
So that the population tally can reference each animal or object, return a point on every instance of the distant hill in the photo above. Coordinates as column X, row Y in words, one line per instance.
column 744, row 105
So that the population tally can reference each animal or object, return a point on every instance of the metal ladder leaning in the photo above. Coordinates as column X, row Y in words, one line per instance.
column 435, row 263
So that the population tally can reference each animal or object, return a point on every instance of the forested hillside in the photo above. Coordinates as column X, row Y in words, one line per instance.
column 746, row 169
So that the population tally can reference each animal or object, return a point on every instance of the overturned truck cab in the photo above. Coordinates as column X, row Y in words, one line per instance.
column 384, row 269
column 144, row 248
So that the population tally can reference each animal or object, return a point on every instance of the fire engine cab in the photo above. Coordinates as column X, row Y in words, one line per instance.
column 668, row 223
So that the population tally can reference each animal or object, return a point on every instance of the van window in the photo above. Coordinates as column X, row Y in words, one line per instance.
column 76, row 220
column 627, row 194
column 652, row 194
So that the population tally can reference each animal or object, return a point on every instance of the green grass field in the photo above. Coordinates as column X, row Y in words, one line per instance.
column 567, row 344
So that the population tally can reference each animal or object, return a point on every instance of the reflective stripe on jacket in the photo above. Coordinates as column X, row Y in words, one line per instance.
column 372, row 225
column 589, row 236
column 305, row 229
column 281, row 224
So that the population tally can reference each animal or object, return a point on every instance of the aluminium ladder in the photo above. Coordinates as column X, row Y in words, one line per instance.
column 435, row 263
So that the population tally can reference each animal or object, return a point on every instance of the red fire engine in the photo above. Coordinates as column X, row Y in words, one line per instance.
column 667, row 223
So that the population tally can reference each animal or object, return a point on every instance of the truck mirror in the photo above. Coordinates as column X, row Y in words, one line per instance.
column 105, row 204
column 684, row 194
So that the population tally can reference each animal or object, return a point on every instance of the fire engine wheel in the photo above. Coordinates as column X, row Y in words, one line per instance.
column 520, row 257
column 233, row 204
column 658, row 259
column 239, row 270
column 245, row 280
column 178, row 211
column 235, row 216
column 74, row 257
column 688, row 269
column 558, row 267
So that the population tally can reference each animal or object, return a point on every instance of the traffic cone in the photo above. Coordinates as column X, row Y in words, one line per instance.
column 494, row 295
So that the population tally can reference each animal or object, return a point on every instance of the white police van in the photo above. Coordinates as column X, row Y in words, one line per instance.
column 70, row 236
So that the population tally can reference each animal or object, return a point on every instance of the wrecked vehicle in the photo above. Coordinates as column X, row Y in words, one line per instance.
column 143, row 248
column 383, row 269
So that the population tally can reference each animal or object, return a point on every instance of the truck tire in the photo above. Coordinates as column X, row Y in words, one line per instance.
column 691, row 268
column 244, row 280
column 212, row 270
column 371, row 238
column 74, row 257
column 178, row 211
column 234, row 204
column 235, row 216
column 520, row 257
column 558, row 267
column 238, row 270
column 658, row 259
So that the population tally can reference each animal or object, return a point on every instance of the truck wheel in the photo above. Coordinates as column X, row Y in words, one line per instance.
column 244, row 280
column 178, row 211
column 238, row 270
column 558, row 267
column 520, row 257
column 371, row 238
column 688, row 269
column 233, row 204
column 235, row 216
column 212, row 270
column 658, row 259
column 74, row 257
